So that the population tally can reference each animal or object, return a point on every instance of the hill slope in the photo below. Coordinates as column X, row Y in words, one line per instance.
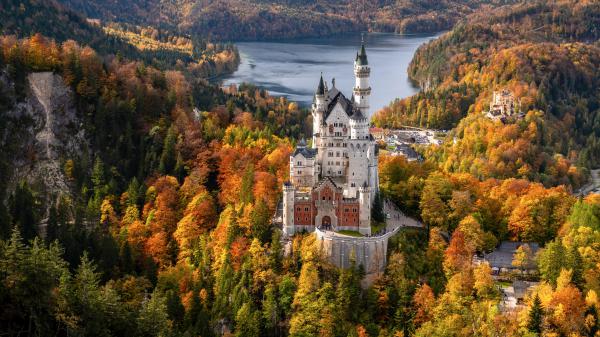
column 543, row 52
column 276, row 19
column 158, row 48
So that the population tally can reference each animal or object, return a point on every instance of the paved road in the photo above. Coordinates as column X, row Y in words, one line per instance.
column 593, row 184
column 397, row 218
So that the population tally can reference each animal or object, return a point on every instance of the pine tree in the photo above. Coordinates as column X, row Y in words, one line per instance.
column 246, row 190
column 576, row 265
column 270, row 310
column 276, row 254
column 153, row 319
column 52, row 225
column 260, row 220
column 174, row 307
column 169, row 156
column 24, row 211
column 247, row 322
column 536, row 316
column 377, row 214
column 223, row 288
column 133, row 192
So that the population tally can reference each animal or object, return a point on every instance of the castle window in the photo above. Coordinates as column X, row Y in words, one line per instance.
column 330, row 154
column 340, row 172
column 298, row 209
column 337, row 154
column 299, row 163
column 306, row 209
column 323, row 198
column 299, row 172
column 353, row 184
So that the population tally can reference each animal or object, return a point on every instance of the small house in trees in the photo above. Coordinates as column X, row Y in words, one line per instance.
column 504, row 106
column 511, row 257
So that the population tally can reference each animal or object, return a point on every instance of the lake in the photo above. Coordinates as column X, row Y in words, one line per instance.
column 292, row 68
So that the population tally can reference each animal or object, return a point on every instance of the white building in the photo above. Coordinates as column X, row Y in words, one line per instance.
column 333, row 183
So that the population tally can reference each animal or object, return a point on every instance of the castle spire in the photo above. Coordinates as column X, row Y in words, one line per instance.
column 361, row 56
column 321, row 87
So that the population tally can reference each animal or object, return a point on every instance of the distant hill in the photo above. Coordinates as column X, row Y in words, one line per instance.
column 277, row 19
column 547, row 54
column 160, row 48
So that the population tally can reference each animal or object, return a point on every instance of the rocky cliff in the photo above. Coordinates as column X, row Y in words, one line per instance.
column 42, row 132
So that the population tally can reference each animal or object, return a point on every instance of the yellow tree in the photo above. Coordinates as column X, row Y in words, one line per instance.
column 199, row 217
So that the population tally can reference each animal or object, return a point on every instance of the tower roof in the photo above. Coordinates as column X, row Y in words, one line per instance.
column 321, row 87
column 361, row 56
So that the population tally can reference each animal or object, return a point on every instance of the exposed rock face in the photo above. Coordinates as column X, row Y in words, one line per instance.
column 45, row 131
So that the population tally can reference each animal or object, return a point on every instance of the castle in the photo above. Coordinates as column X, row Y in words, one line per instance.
column 333, row 182
column 503, row 106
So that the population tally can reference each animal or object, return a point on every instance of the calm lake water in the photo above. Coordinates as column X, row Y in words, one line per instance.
column 292, row 68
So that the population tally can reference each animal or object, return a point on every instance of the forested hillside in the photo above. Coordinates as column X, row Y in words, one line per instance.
column 259, row 19
column 545, row 53
column 155, row 47
column 158, row 220
column 165, row 226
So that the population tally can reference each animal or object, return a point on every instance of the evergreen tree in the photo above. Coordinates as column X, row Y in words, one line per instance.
column 276, row 256
column 153, row 319
column 52, row 225
column 223, row 289
column 348, row 293
column 4, row 221
column 247, row 322
column 174, row 307
column 536, row 316
column 261, row 221
column 24, row 211
column 246, row 190
column 377, row 214
column 270, row 310
column 133, row 192
column 576, row 265
column 168, row 157
column 551, row 260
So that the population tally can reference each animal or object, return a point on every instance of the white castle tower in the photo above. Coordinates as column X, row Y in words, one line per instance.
column 362, row 90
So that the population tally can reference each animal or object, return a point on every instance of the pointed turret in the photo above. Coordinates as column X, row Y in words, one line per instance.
column 361, row 57
column 321, row 87
column 318, row 108
column 362, row 72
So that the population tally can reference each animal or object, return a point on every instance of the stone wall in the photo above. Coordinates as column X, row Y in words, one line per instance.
column 371, row 252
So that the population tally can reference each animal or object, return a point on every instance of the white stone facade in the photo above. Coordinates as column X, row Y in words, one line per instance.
column 333, row 182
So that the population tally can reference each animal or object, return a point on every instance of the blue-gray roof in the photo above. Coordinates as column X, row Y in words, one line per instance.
column 361, row 56
column 305, row 151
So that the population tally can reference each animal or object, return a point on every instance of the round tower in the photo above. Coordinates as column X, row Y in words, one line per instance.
column 318, row 109
column 288, row 208
column 362, row 90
